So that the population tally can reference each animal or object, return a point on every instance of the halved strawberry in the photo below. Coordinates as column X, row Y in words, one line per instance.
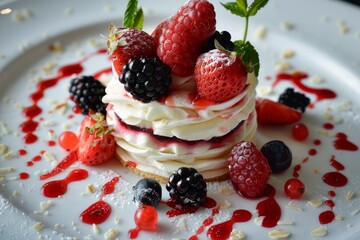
column 96, row 144
column 273, row 113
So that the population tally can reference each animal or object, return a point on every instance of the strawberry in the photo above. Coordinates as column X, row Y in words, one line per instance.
column 249, row 170
column 184, row 35
column 219, row 75
column 274, row 113
column 126, row 43
column 96, row 144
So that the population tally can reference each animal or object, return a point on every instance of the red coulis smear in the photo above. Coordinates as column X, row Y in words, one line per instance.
column 207, row 222
column 269, row 208
column 297, row 79
column 99, row 211
column 223, row 230
column 30, row 125
column 178, row 209
column 58, row 188
column 64, row 164
column 342, row 143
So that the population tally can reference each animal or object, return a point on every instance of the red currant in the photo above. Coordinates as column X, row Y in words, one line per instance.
column 146, row 218
column 68, row 140
column 300, row 132
column 294, row 188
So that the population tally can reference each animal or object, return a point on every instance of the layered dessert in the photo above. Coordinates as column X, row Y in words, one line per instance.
column 208, row 104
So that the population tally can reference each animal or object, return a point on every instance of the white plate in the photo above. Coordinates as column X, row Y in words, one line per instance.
column 320, row 50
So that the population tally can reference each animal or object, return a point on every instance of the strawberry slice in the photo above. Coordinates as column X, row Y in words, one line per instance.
column 96, row 144
column 274, row 113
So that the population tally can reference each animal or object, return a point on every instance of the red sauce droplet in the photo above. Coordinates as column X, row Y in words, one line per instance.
column 223, row 230
column 109, row 187
column 32, row 111
column 57, row 188
column 326, row 217
column 23, row 175
column 330, row 203
column 317, row 142
column 335, row 179
column 97, row 213
column 36, row 158
column 300, row 132
column 269, row 209
column 51, row 143
column 29, row 164
column 338, row 166
column 297, row 78
column 312, row 152
column 328, row 126
column 22, row 152
column 342, row 143
column 64, row 164
column 332, row 193
column 30, row 138
column 77, row 110
column 28, row 126
column 178, row 209
column 133, row 233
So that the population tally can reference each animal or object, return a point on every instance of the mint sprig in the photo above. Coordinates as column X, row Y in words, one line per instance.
column 243, row 48
column 134, row 16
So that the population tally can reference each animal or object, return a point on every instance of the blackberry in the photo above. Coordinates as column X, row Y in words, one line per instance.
column 146, row 79
column 87, row 93
column 187, row 187
column 294, row 99
column 147, row 191
column 224, row 38
column 278, row 155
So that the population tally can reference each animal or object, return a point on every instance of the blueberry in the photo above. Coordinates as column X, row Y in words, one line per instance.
column 147, row 191
column 278, row 155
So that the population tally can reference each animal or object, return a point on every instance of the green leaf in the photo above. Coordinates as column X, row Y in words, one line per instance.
column 131, row 14
column 243, row 5
column 248, row 55
column 139, row 19
column 234, row 8
column 255, row 6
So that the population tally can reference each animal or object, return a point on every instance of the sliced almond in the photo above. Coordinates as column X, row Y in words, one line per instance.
column 279, row 234
column 319, row 232
column 315, row 202
column 349, row 195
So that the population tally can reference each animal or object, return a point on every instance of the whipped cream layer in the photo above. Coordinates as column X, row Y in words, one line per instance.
column 162, row 156
column 178, row 115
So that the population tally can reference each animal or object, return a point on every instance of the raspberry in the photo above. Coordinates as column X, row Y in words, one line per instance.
column 127, row 43
column 87, row 93
column 187, row 186
column 294, row 99
column 185, row 34
column 249, row 170
column 146, row 79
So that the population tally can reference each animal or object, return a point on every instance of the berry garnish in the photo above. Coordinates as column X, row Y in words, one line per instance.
column 273, row 113
column 146, row 79
column 219, row 75
column 223, row 38
column 96, row 144
column 249, row 170
column 294, row 99
column 184, row 35
column 278, row 155
column 68, row 140
column 87, row 93
column 146, row 218
column 294, row 188
column 147, row 191
column 187, row 186
column 300, row 131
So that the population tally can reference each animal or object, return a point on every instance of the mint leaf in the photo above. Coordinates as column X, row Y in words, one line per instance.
column 133, row 16
column 248, row 55
column 255, row 7
column 234, row 8
column 243, row 5
column 139, row 19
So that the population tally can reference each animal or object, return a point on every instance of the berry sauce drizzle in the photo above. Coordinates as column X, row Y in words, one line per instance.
column 207, row 222
column 269, row 208
column 99, row 211
column 178, row 209
column 223, row 230
column 64, row 164
column 29, row 126
column 297, row 78
column 58, row 188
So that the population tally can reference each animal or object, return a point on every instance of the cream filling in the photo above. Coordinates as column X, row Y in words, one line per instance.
column 177, row 116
